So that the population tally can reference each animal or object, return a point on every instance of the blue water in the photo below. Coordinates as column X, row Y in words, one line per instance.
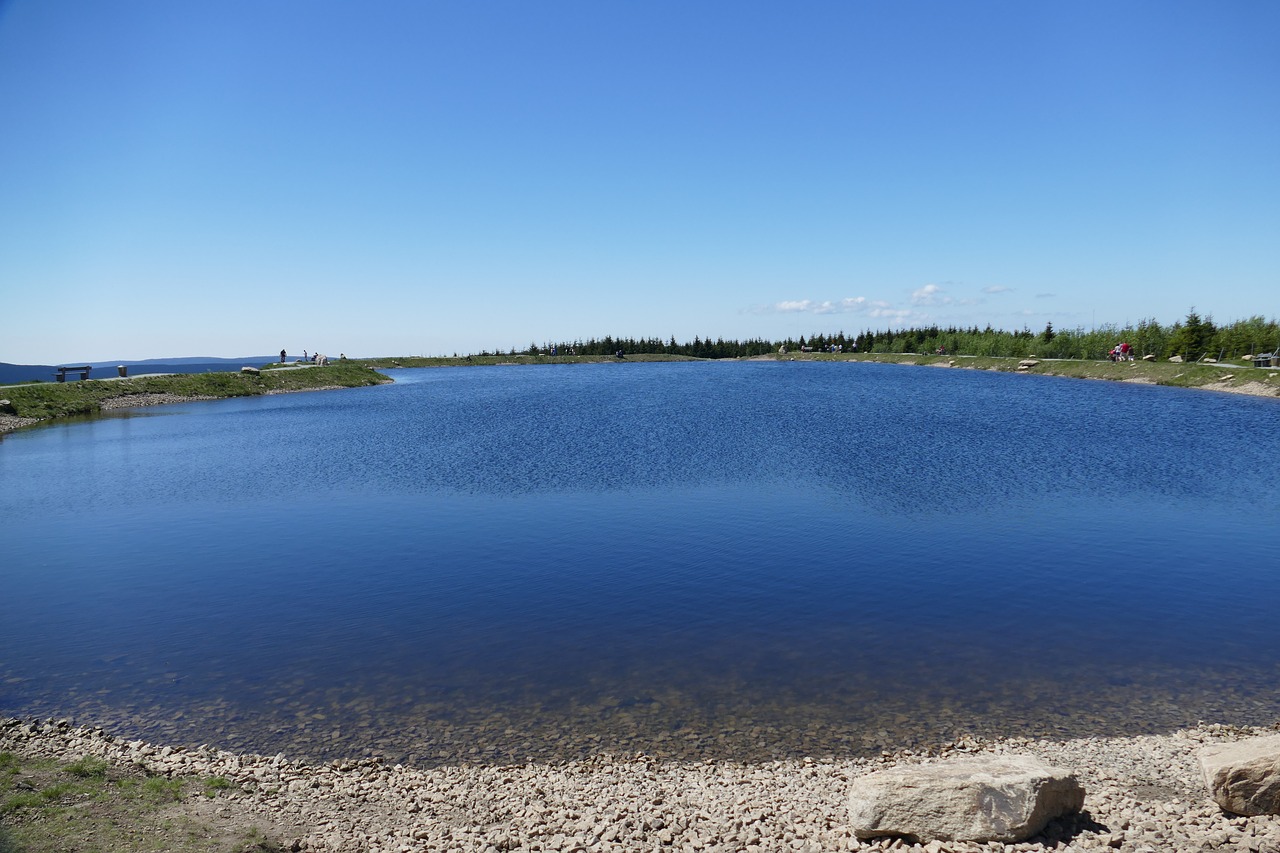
column 699, row 559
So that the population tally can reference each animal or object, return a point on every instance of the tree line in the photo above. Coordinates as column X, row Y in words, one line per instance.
column 1192, row 338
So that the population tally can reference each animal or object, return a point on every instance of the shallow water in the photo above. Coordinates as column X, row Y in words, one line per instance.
column 718, row 560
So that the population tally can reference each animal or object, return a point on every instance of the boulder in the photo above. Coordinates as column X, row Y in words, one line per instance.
column 1244, row 777
column 1176, row 359
column 249, row 370
column 990, row 798
column 1150, row 357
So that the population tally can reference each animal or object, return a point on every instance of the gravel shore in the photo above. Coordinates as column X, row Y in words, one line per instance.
column 1143, row 794
column 8, row 423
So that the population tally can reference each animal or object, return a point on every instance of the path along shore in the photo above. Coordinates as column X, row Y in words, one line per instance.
column 1143, row 794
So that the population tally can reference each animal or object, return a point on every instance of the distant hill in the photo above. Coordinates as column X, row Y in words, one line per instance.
column 11, row 374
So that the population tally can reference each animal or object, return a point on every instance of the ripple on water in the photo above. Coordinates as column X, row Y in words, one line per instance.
column 744, row 561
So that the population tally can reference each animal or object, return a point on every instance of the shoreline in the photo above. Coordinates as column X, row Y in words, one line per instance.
column 33, row 405
column 1143, row 793
column 1206, row 377
column 1222, row 378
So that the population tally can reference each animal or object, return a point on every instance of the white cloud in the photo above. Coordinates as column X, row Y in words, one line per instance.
column 997, row 288
column 1045, row 295
column 849, row 305
column 884, row 311
column 792, row 307
column 930, row 294
column 877, row 309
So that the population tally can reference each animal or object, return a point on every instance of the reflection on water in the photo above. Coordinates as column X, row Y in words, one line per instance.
column 696, row 560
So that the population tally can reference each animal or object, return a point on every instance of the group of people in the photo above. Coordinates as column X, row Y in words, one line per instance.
column 1121, row 352
column 315, row 357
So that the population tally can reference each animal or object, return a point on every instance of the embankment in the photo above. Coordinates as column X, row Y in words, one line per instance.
column 32, row 404
column 1216, row 376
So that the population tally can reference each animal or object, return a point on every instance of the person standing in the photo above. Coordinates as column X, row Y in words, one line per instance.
column 282, row 356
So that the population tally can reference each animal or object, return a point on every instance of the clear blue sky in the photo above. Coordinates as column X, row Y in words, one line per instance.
column 393, row 178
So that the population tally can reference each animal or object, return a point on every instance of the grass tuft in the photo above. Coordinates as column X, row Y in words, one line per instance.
column 89, row 767
column 215, row 784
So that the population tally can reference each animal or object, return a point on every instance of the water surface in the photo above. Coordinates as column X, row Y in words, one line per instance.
column 714, row 560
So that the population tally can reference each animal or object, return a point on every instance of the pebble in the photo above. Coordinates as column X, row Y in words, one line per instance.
column 1143, row 793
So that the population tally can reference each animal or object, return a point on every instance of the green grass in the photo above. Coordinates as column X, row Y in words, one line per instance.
column 214, row 785
column 153, row 789
column 91, row 806
column 88, row 767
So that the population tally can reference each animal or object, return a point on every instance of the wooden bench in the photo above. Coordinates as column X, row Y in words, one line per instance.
column 63, row 371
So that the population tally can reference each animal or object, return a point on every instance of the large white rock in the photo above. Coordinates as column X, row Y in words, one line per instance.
column 992, row 798
column 1244, row 777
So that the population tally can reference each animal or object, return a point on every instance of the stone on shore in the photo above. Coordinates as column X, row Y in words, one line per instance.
column 1244, row 777
column 998, row 798
column 249, row 370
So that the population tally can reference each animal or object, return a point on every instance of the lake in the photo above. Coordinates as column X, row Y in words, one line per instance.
column 695, row 560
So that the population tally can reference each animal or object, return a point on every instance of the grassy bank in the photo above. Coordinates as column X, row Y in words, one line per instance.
column 59, row 400
column 1240, row 378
